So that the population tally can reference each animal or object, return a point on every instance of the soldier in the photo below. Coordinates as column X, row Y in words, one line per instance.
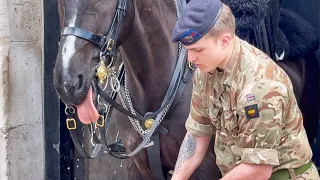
column 243, row 98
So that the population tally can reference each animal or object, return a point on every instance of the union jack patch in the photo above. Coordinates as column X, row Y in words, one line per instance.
column 250, row 97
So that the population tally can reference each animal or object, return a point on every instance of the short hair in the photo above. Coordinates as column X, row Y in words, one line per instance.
column 225, row 22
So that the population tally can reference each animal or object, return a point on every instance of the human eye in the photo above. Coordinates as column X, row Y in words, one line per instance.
column 198, row 50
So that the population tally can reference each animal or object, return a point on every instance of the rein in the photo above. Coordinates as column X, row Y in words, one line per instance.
column 170, row 94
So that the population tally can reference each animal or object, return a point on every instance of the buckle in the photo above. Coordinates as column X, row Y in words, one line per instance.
column 110, row 44
column 71, row 124
column 101, row 118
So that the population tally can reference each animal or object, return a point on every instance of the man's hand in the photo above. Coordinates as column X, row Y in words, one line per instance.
column 249, row 171
column 192, row 151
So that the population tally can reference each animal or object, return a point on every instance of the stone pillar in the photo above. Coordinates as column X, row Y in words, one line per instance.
column 21, row 94
column 4, row 63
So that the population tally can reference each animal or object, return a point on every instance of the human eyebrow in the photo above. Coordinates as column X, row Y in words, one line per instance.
column 195, row 49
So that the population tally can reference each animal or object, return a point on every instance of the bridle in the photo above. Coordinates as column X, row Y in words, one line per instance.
column 151, row 137
column 106, row 42
column 108, row 50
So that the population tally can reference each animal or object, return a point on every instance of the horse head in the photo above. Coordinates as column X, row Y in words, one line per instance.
column 87, row 26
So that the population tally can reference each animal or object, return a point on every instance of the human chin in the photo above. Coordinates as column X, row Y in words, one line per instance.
column 203, row 68
column 208, row 69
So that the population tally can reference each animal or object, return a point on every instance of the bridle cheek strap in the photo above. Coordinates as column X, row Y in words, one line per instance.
column 107, row 42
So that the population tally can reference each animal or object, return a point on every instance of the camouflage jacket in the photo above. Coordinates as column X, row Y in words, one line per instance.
column 251, row 109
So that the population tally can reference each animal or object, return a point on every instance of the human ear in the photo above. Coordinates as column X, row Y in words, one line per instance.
column 225, row 40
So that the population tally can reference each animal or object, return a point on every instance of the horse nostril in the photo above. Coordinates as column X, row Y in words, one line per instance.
column 80, row 81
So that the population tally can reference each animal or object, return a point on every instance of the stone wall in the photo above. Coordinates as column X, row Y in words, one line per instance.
column 21, row 95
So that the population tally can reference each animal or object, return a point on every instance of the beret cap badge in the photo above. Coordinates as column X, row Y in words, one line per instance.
column 189, row 36
column 188, row 39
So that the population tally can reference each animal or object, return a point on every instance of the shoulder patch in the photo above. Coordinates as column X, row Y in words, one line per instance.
column 250, row 97
column 252, row 111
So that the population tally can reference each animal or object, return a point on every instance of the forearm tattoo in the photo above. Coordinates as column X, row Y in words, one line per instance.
column 187, row 150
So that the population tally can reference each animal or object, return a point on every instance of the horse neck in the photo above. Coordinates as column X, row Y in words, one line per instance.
column 148, row 54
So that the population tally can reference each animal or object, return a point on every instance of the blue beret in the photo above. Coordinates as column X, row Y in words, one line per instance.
column 196, row 19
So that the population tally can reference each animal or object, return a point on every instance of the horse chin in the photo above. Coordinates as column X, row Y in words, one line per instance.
column 87, row 112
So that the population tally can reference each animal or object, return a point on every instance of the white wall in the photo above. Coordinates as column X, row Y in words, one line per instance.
column 21, row 118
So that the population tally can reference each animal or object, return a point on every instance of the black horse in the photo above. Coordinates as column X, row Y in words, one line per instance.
column 149, row 59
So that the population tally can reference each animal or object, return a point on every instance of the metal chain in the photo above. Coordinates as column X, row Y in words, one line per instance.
column 135, row 123
column 178, row 15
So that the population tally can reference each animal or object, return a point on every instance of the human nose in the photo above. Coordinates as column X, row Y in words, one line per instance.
column 191, row 57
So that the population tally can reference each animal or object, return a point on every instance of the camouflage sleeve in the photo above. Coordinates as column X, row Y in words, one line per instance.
column 198, row 122
column 263, row 106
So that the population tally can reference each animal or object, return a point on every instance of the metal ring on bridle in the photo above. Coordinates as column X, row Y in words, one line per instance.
column 106, row 84
column 69, row 110
column 111, row 62
column 115, row 87
column 102, row 57
column 103, row 105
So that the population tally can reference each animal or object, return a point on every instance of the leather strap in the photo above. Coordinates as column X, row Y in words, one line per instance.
column 153, row 151
column 84, row 34
column 175, row 78
column 103, row 130
column 173, row 87
column 74, row 136
column 153, row 133
column 186, row 77
column 154, row 157
column 98, row 141
column 106, row 43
